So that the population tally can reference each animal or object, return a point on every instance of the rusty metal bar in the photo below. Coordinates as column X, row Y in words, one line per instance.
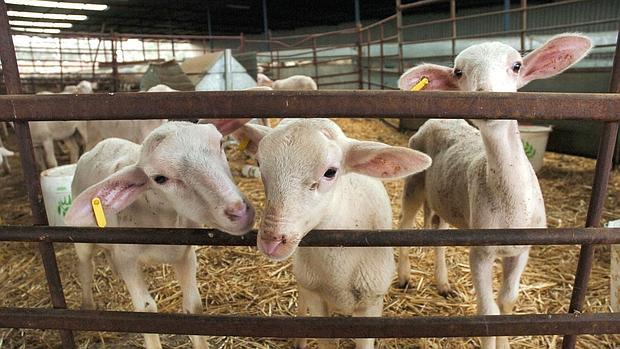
column 523, row 24
column 368, row 62
column 59, row 60
column 318, row 238
column 400, row 39
column 381, row 52
column 419, row 4
column 312, row 327
column 183, row 105
column 360, row 56
column 315, row 62
column 10, row 73
column 604, row 162
column 453, row 26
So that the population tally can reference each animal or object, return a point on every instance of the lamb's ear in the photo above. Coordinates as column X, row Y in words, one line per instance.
column 225, row 126
column 251, row 135
column 440, row 78
column 555, row 56
column 116, row 192
column 263, row 80
column 383, row 161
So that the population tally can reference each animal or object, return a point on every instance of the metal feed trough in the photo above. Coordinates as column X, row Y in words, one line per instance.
column 522, row 106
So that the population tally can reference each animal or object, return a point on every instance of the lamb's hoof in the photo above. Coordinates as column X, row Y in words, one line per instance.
column 403, row 284
column 300, row 343
column 447, row 292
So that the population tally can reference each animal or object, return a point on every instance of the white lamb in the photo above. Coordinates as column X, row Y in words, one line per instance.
column 295, row 82
column 317, row 178
column 481, row 178
column 178, row 177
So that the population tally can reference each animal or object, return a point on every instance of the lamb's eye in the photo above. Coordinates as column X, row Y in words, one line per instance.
column 330, row 173
column 516, row 67
column 458, row 73
column 160, row 179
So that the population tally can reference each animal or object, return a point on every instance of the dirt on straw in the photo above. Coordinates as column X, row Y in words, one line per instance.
column 241, row 281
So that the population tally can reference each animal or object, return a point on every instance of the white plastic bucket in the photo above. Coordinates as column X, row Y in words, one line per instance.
column 614, row 297
column 56, row 187
column 534, row 140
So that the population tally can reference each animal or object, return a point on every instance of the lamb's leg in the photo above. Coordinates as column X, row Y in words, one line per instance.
column 302, row 310
column 317, row 307
column 4, row 131
column 50, row 158
column 129, row 270
column 372, row 310
column 512, row 268
column 413, row 197
column 85, row 273
column 441, row 269
column 73, row 149
column 185, row 270
column 481, row 264
column 5, row 160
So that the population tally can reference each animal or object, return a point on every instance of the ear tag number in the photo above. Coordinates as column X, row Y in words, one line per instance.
column 244, row 144
column 420, row 85
column 98, row 211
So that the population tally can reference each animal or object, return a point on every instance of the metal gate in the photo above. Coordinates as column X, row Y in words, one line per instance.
column 366, row 104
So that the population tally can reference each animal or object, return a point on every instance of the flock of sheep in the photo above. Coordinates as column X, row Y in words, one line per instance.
column 175, row 174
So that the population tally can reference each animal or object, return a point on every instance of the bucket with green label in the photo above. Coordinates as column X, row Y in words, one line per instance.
column 534, row 140
column 56, row 187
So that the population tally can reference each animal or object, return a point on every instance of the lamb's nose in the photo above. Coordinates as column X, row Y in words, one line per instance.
column 236, row 211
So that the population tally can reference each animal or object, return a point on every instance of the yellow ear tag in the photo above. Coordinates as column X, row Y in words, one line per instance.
column 244, row 144
column 98, row 211
column 420, row 85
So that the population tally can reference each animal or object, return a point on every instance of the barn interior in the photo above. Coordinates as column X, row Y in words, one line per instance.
column 129, row 46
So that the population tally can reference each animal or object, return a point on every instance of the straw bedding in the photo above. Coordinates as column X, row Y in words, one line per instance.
column 241, row 281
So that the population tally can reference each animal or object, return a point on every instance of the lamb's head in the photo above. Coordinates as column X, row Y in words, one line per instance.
column 302, row 162
column 183, row 163
column 496, row 67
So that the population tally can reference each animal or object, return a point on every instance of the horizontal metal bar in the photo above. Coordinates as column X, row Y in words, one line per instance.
column 320, row 238
column 420, row 3
column 244, row 104
column 311, row 327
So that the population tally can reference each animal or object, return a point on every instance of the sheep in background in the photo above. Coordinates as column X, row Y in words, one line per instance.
column 481, row 178
column 295, row 82
column 178, row 177
column 317, row 178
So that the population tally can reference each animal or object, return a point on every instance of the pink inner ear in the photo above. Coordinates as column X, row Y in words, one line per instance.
column 115, row 197
column 440, row 78
column 228, row 126
column 382, row 166
column 555, row 56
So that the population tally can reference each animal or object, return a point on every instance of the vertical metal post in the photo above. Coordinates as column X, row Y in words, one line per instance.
column 277, row 64
column 523, row 23
column 143, row 50
column 453, row 22
column 382, row 33
column 360, row 55
column 506, row 15
column 399, row 35
column 114, row 65
column 228, row 75
column 158, row 52
column 315, row 61
column 368, row 60
column 204, row 46
column 597, row 201
column 62, row 79
column 174, row 55
column 242, row 43
column 209, row 28
column 12, row 82
column 266, row 25
column 358, row 19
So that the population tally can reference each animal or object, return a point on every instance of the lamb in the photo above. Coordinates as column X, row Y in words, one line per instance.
column 131, row 130
column 317, row 178
column 295, row 82
column 74, row 133
column 481, row 178
column 178, row 177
